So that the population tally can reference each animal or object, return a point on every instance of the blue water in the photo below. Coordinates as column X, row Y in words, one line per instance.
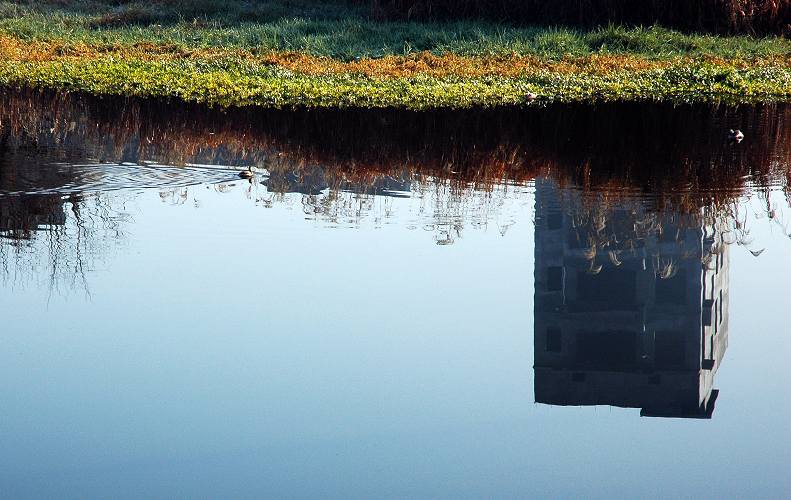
column 210, row 338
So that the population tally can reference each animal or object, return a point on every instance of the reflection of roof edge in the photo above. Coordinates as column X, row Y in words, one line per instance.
column 706, row 412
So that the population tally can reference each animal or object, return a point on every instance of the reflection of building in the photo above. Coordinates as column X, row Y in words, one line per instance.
column 631, row 307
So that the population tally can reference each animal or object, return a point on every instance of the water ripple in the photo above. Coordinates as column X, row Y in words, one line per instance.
column 64, row 179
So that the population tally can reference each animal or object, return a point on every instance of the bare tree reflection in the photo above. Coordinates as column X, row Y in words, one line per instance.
column 46, row 232
column 62, row 238
column 347, row 167
column 655, row 148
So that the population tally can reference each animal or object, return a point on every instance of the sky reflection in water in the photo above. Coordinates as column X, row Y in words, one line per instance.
column 365, row 320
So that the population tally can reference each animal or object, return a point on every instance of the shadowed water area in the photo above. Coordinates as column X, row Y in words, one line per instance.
column 569, row 301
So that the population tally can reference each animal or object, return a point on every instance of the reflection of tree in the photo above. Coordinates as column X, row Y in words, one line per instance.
column 613, row 225
column 646, row 145
column 62, row 238
column 46, row 227
column 347, row 165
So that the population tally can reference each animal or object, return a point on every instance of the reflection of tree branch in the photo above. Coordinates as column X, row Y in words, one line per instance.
column 81, row 233
column 602, row 224
column 460, row 167
column 71, row 239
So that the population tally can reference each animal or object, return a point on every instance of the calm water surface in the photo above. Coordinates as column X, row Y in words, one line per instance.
column 561, row 302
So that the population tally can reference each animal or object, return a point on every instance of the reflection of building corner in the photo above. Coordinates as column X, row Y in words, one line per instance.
column 631, row 307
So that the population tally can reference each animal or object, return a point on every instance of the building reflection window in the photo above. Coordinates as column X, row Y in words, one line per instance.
column 630, row 305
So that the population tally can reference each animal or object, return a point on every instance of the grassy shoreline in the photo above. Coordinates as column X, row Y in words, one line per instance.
column 331, row 55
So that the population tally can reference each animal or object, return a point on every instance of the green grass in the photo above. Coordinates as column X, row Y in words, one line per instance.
column 239, row 84
column 342, row 31
column 683, row 67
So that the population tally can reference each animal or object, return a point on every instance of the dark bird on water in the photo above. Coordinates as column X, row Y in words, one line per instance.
column 247, row 174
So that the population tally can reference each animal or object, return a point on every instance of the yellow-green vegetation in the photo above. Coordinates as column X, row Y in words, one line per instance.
column 284, row 53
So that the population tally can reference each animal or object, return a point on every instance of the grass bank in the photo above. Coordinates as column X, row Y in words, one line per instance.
column 287, row 53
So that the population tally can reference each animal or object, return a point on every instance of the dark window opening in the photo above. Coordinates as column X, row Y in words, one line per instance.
column 554, row 221
column 669, row 350
column 720, row 305
column 554, row 279
column 708, row 306
column 611, row 289
column 609, row 350
column 554, row 340
column 672, row 290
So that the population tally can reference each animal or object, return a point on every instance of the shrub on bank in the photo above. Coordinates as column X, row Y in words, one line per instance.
column 721, row 16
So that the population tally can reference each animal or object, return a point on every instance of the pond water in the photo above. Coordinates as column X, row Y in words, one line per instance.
column 584, row 301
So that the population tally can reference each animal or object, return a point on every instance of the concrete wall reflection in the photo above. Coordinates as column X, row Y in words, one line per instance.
column 631, row 304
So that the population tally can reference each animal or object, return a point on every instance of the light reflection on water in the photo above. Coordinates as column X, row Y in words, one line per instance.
column 172, row 330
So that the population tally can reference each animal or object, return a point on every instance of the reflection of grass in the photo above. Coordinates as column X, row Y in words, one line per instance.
column 615, row 148
column 461, row 165
column 328, row 54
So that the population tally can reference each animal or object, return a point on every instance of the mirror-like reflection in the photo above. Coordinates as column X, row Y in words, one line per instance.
column 631, row 305
column 372, row 283
column 66, row 144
